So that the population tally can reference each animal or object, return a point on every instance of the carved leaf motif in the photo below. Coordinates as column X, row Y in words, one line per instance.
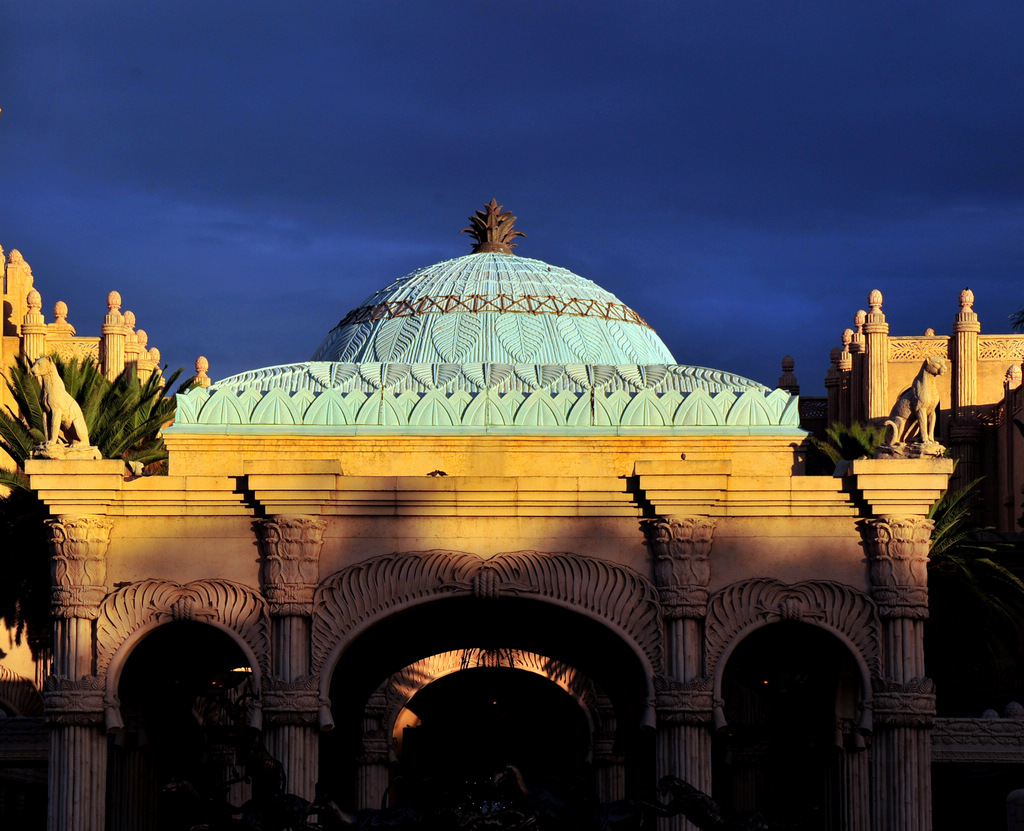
column 582, row 336
column 624, row 341
column 345, row 345
column 538, row 376
column 591, row 376
column 395, row 338
column 436, row 375
column 455, row 335
column 522, row 336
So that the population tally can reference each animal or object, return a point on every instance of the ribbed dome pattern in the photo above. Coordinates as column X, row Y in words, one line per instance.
column 493, row 308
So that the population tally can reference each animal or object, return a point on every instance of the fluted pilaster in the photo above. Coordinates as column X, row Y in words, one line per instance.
column 289, row 570
column 904, row 699
column 74, row 697
column 681, row 549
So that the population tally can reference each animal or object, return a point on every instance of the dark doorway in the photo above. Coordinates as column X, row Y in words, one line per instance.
column 474, row 723
column 184, row 693
column 790, row 693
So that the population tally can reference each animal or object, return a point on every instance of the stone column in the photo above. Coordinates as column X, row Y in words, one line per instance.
column 964, row 430
column 113, row 334
column 33, row 328
column 904, row 699
column 681, row 548
column 609, row 764
column 876, row 348
column 373, row 774
column 73, row 695
column 289, row 571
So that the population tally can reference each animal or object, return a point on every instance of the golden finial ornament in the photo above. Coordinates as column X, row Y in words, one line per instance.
column 493, row 230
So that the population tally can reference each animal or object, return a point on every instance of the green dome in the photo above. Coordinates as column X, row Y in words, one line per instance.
column 493, row 308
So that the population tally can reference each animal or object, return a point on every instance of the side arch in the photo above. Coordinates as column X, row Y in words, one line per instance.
column 353, row 599
column 128, row 614
column 739, row 609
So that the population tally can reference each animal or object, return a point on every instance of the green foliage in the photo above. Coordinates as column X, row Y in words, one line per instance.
column 845, row 443
column 124, row 419
column 975, row 632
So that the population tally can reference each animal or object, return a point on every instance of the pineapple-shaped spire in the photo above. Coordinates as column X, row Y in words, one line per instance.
column 493, row 230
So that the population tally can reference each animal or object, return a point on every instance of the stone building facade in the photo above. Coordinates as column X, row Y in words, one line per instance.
column 491, row 521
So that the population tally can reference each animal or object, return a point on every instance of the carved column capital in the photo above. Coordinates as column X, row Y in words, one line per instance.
column 898, row 561
column 80, row 703
column 679, row 703
column 291, row 702
column 903, row 705
column 681, row 547
column 78, row 565
column 290, row 562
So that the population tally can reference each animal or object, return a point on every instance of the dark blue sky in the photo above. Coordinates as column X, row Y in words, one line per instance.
column 740, row 173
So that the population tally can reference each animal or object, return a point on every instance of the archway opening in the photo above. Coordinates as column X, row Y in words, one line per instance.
column 475, row 722
column 185, row 692
column 791, row 695
column 480, row 625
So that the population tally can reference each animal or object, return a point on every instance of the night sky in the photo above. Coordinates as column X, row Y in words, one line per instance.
column 740, row 173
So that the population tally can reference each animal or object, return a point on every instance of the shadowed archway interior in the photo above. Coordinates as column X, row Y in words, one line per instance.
column 183, row 692
column 791, row 694
column 463, row 703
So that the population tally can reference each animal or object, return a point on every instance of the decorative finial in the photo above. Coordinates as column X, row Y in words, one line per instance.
column 860, row 319
column 847, row 338
column 966, row 300
column 875, row 300
column 142, row 338
column 34, row 301
column 129, row 319
column 202, row 378
column 493, row 230
column 114, row 301
column 60, row 311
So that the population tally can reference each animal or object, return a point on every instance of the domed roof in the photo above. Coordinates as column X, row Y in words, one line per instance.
column 496, row 308
column 490, row 341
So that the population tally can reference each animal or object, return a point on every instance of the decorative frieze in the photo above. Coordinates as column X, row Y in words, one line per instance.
column 681, row 547
column 290, row 562
column 679, row 703
column 291, row 702
column 78, row 565
column 80, row 703
column 898, row 564
column 903, row 705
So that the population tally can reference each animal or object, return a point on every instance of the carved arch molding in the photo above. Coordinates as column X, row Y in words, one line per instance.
column 18, row 695
column 146, row 604
column 615, row 595
column 834, row 606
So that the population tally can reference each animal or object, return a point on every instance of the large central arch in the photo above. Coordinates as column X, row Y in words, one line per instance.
column 615, row 598
column 589, row 617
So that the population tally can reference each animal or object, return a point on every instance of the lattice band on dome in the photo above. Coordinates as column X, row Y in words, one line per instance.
column 504, row 303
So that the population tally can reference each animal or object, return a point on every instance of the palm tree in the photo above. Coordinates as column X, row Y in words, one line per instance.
column 976, row 605
column 124, row 418
column 845, row 442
